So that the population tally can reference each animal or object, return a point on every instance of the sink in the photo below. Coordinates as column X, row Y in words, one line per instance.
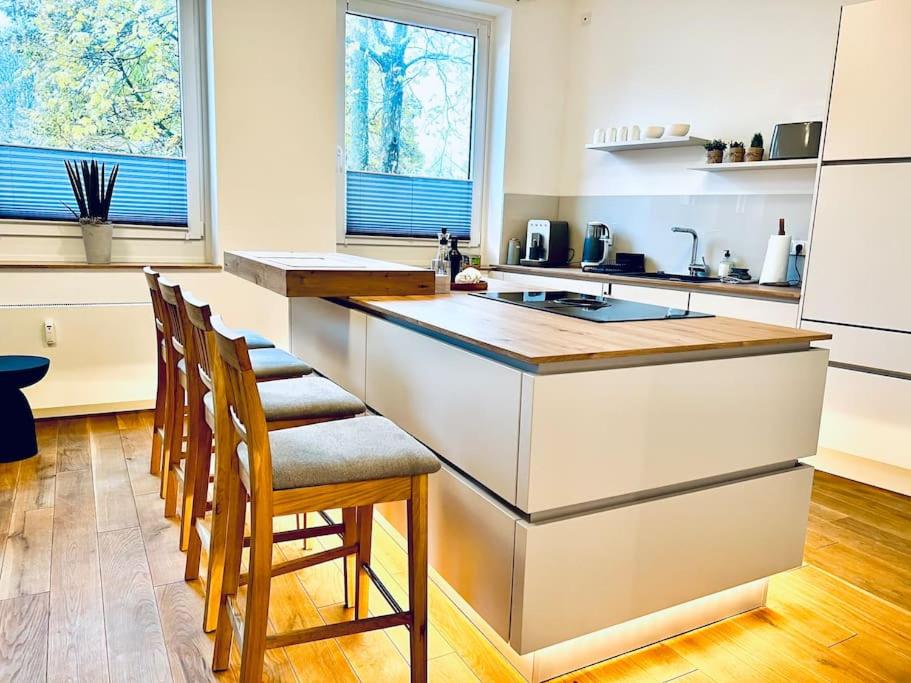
column 674, row 277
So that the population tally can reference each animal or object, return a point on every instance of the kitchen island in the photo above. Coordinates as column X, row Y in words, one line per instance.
column 604, row 486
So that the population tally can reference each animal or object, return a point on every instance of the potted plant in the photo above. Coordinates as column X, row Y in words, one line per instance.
column 93, row 195
column 714, row 151
column 735, row 154
column 755, row 152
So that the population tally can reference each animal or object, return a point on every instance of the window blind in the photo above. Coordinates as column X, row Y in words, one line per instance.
column 149, row 190
column 381, row 204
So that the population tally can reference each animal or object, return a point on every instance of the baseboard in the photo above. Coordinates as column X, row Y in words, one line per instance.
column 93, row 409
column 864, row 470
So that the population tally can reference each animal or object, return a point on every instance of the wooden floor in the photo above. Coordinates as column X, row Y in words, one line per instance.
column 91, row 589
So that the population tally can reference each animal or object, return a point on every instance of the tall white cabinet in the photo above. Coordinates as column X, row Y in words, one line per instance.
column 857, row 286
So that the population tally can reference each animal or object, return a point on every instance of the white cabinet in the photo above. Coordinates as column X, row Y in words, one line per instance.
column 560, row 283
column 857, row 272
column 637, row 559
column 460, row 404
column 870, row 105
column 672, row 298
column 770, row 312
column 866, row 348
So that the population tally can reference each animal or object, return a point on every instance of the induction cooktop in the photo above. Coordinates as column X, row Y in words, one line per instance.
column 598, row 309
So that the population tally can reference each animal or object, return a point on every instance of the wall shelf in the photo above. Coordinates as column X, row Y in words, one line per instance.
column 627, row 145
column 757, row 165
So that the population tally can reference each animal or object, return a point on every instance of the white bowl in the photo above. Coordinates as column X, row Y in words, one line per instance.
column 678, row 130
column 654, row 132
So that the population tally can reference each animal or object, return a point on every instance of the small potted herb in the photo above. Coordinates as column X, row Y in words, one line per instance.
column 755, row 152
column 735, row 153
column 714, row 151
column 93, row 195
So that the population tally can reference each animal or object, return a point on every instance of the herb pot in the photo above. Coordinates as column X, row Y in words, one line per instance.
column 96, row 238
column 755, row 153
column 736, row 154
column 714, row 156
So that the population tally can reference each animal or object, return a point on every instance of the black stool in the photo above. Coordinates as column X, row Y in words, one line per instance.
column 17, row 425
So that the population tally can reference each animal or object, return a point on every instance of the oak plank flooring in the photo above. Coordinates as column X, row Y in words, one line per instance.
column 23, row 638
column 114, row 505
column 76, row 647
column 136, row 650
column 81, row 603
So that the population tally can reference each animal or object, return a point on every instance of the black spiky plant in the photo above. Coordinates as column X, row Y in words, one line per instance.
column 92, row 193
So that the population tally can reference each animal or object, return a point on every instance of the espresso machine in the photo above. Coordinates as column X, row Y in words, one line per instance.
column 546, row 244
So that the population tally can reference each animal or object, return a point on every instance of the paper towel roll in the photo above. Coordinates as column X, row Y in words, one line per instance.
column 775, row 266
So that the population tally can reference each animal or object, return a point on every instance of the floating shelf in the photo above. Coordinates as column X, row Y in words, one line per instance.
column 626, row 145
column 757, row 165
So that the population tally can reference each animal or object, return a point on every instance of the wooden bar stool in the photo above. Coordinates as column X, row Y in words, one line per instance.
column 345, row 463
column 269, row 364
column 286, row 403
column 162, row 332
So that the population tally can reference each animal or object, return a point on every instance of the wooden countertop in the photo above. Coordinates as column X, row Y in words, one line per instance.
column 754, row 291
column 537, row 338
column 297, row 274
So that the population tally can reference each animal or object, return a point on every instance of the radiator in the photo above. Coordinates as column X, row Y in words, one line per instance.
column 104, row 358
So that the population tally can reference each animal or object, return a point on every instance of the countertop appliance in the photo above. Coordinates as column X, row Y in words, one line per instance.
column 547, row 243
column 598, row 241
column 598, row 309
column 796, row 140
column 625, row 263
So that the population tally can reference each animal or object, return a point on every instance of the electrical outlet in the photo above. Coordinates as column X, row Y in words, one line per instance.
column 50, row 333
column 586, row 18
column 804, row 247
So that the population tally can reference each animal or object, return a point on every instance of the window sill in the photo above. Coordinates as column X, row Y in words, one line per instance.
column 76, row 265
column 15, row 228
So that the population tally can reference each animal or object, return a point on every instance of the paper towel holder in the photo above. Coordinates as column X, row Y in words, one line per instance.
column 777, row 259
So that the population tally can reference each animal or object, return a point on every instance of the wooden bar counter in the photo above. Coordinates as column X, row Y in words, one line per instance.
column 605, row 486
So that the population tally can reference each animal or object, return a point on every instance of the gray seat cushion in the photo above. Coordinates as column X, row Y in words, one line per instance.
column 277, row 364
column 302, row 399
column 360, row 449
column 255, row 340
column 269, row 364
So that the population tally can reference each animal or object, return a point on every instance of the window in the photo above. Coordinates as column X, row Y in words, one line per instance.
column 117, row 81
column 415, row 86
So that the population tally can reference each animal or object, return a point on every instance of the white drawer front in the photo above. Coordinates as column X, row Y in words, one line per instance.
column 867, row 348
column 868, row 416
column 671, row 298
column 332, row 339
column 553, row 282
column 769, row 312
column 762, row 410
column 583, row 574
column 461, row 405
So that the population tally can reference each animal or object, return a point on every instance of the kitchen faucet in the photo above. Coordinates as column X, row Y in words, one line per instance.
column 695, row 268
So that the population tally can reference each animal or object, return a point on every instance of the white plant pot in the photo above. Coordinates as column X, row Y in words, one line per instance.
column 96, row 238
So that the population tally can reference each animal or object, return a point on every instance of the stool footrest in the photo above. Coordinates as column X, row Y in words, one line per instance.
column 299, row 563
column 344, row 628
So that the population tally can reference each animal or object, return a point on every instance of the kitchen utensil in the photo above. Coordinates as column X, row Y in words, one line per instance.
column 796, row 140
column 678, row 130
column 654, row 132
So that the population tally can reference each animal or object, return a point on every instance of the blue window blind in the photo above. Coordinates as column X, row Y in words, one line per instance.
column 388, row 205
column 149, row 190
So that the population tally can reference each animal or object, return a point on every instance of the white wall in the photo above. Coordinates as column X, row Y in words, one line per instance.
column 728, row 67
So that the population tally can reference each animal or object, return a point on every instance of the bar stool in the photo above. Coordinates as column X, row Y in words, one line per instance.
column 161, row 418
column 286, row 403
column 345, row 463
column 268, row 363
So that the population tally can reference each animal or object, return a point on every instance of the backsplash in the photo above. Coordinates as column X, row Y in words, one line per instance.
column 741, row 223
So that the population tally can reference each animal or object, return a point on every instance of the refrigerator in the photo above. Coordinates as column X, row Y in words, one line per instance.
column 857, row 285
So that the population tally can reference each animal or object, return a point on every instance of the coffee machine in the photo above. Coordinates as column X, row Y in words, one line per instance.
column 546, row 243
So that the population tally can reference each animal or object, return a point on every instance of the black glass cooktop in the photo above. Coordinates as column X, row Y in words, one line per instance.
column 598, row 309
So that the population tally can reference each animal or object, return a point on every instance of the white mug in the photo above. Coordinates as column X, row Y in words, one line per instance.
column 623, row 134
column 598, row 137
column 634, row 133
column 613, row 135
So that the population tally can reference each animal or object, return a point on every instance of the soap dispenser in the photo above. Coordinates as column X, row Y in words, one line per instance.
column 725, row 265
